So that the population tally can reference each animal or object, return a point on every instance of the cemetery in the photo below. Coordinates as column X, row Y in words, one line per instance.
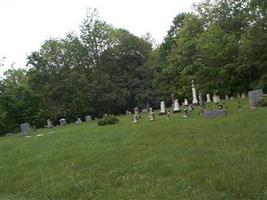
column 102, row 112
column 210, row 140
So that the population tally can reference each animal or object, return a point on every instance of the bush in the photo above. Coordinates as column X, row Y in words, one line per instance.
column 107, row 120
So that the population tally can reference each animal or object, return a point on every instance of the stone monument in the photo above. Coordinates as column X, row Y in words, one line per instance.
column 176, row 107
column 194, row 93
column 162, row 108
column 208, row 98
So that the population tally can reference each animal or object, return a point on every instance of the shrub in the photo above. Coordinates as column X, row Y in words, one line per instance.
column 107, row 120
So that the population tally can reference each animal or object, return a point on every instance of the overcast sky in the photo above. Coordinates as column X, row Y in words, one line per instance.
column 26, row 24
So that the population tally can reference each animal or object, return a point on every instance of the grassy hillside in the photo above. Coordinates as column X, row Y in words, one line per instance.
column 192, row 158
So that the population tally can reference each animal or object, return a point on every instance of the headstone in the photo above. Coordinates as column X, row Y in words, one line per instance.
column 151, row 114
column 243, row 96
column 49, row 123
column 215, row 113
column 78, row 121
column 162, row 108
column 216, row 99
column 88, row 118
column 136, row 111
column 208, row 98
column 135, row 119
column 185, row 102
column 62, row 122
column 176, row 107
column 232, row 98
column 238, row 96
column 194, row 93
column 255, row 97
column 25, row 129
column 227, row 97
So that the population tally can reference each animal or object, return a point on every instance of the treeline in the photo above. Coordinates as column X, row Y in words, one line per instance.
column 222, row 46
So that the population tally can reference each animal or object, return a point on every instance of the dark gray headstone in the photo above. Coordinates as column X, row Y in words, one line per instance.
column 25, row 128
column 215, row 113
column 88, row 118
column 255, row 97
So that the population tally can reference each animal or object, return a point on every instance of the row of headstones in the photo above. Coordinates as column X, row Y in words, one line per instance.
column 63, row 121
column 25, row 127
column 176, row 107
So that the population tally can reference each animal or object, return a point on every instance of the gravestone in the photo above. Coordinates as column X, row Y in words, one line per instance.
column 232, row 98
column 194, row 93
column 25, row 129
column 88, row 118
column 162, row 108
column 49, row 123
column 185, row 102
column 208, row 98
column 215, row 113
column 135, row 119
column 227, row 97
column 151, row 114
column 255, row 97
column 62, row 122
column 176, row 107
column 216, row 99
column 78, row 121
column 243, row 96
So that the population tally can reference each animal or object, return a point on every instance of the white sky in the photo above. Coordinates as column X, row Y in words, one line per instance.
column 26, row 24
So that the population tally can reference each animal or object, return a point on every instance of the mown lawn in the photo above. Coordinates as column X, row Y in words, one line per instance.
column 192, row 158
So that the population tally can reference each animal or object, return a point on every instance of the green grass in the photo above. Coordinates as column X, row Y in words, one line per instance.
column 192, row 158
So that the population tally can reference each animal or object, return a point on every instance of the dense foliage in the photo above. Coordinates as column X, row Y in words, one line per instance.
column 222, row 46
column 107, row 120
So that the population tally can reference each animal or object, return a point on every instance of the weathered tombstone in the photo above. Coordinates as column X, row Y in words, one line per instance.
column 227, row 97
column 49, row 123
column 151, row 114
column 208, row 98
column 25, row 129
column 162, row 108
column 232, row 98
column 176, row 107
column 185, row 102
column 216, row 99
column 78, row 121
column 62, row 122
column 255, row 97
column 194, row 93
column 88, row 118
column 238, row 96
column 135, row 119
column 215, row 113
column 136, row 111
column 243, row 96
